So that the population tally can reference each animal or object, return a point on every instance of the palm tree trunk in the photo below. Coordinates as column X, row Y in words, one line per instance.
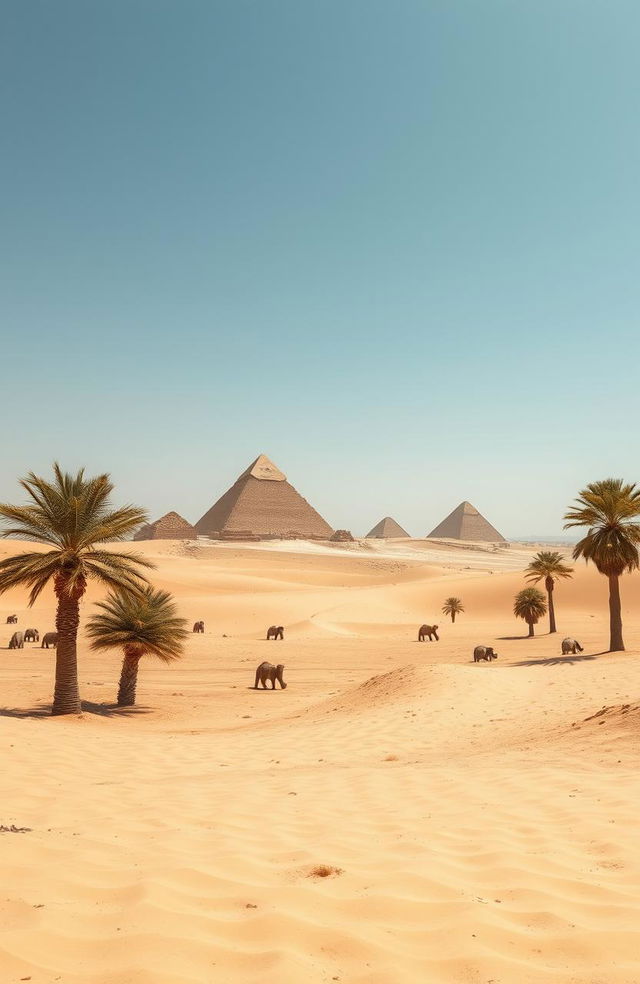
column 66, row 696
column 530, row 629
column 128, row 679
column 453, row 616
column 616, row 642
column 552, row 611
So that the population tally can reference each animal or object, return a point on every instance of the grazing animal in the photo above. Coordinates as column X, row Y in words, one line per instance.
column 571, row 646
column 275, row 632
column 17, row 641
column 198, row 626
column 31, row 635
column 49, row 639
column 484, row 652
column 267, row 671
column 428, row 631
column 12, row 619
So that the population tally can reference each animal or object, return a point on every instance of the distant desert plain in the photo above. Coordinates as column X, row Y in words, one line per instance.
column 397, row 815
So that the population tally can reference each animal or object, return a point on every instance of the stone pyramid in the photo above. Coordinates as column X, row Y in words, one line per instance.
column 168, row 527
column 386, row 529
column 466, row 523
column 262, row 504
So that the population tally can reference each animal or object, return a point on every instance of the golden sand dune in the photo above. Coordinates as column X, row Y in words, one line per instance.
column 397, row 815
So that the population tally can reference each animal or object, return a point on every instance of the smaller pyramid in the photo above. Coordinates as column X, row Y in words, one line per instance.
column 466, row 523
column 386, row 529
column 169, row 527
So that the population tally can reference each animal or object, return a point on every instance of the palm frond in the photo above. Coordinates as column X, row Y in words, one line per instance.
column 147, row 621
column 609, row 509
column 530, row 605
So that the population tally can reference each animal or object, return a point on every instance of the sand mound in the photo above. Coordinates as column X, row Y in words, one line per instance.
column 624, row 717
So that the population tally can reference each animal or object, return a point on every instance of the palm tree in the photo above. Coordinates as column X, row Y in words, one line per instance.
column 548, row 566
column 144, row 624
column 453, row 607
column 530, row 605
column 73, row 516
column 609, row 509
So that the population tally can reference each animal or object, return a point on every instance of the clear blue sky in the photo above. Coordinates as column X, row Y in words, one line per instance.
column 394, row 245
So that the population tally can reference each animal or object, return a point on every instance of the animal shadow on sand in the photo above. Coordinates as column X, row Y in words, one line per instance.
column 558, row 660
column 88, row 707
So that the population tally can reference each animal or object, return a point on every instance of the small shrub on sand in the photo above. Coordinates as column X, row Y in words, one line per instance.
column 324, row 871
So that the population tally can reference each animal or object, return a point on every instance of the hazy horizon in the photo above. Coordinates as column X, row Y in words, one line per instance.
column 393, row 247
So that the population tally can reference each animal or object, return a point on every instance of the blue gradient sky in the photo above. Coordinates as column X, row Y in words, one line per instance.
column 394, row 245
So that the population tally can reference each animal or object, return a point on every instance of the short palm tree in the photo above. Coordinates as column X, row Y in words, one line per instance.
column 548, row 566
column 144, row 624
column 452, row 607
column 73, row 516
column 530, row 605
column 610, row 510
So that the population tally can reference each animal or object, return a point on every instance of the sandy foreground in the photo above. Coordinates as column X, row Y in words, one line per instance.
column 479, row 823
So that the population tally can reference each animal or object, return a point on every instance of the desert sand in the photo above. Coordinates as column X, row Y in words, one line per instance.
column 397, row 815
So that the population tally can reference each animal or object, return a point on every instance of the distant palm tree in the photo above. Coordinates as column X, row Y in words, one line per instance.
column 610, row 509
column 73, row 516
column 452, row 607
column 548, row 566
column 144, row 624
column 530, row 605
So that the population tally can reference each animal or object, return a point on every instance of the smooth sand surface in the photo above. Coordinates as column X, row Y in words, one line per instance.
column 398, row 814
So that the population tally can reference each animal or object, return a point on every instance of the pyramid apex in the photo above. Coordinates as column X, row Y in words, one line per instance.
column 265, row 470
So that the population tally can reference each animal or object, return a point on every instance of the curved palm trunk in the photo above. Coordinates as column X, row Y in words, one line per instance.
column 530, row 630
column 66, row 696
column 129, row 678
column 552, row 611
column 616, row 642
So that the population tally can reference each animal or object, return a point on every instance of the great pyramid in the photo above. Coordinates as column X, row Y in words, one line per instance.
column 466, row 523
column 386, row 529
column 262, row 504
column 168, row 527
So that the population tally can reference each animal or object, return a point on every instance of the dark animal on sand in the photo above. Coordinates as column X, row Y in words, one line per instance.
column 571, row 646
column 427, row 631
column 12, row 619
column 49, row 639
column 275, row 632
column 17, row 641
column 31, row 635
column 267, row 671
column 484, row 652
column 198, row 626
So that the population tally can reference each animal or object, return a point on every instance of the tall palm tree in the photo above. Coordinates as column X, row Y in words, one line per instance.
column 72, row 515
column 548, row 565
column 530, row 605
column 145, row 624
column 452, row 607
column 610, row 510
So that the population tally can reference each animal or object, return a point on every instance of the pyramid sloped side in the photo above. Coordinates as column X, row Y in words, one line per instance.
column 387, row 528
column 466, row 523
column 171, row 526
column 272, row 508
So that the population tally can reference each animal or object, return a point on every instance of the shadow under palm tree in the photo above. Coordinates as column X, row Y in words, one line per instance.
column 88, row 707
column 26, row 712
column 556, row 660
column 113, row 710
